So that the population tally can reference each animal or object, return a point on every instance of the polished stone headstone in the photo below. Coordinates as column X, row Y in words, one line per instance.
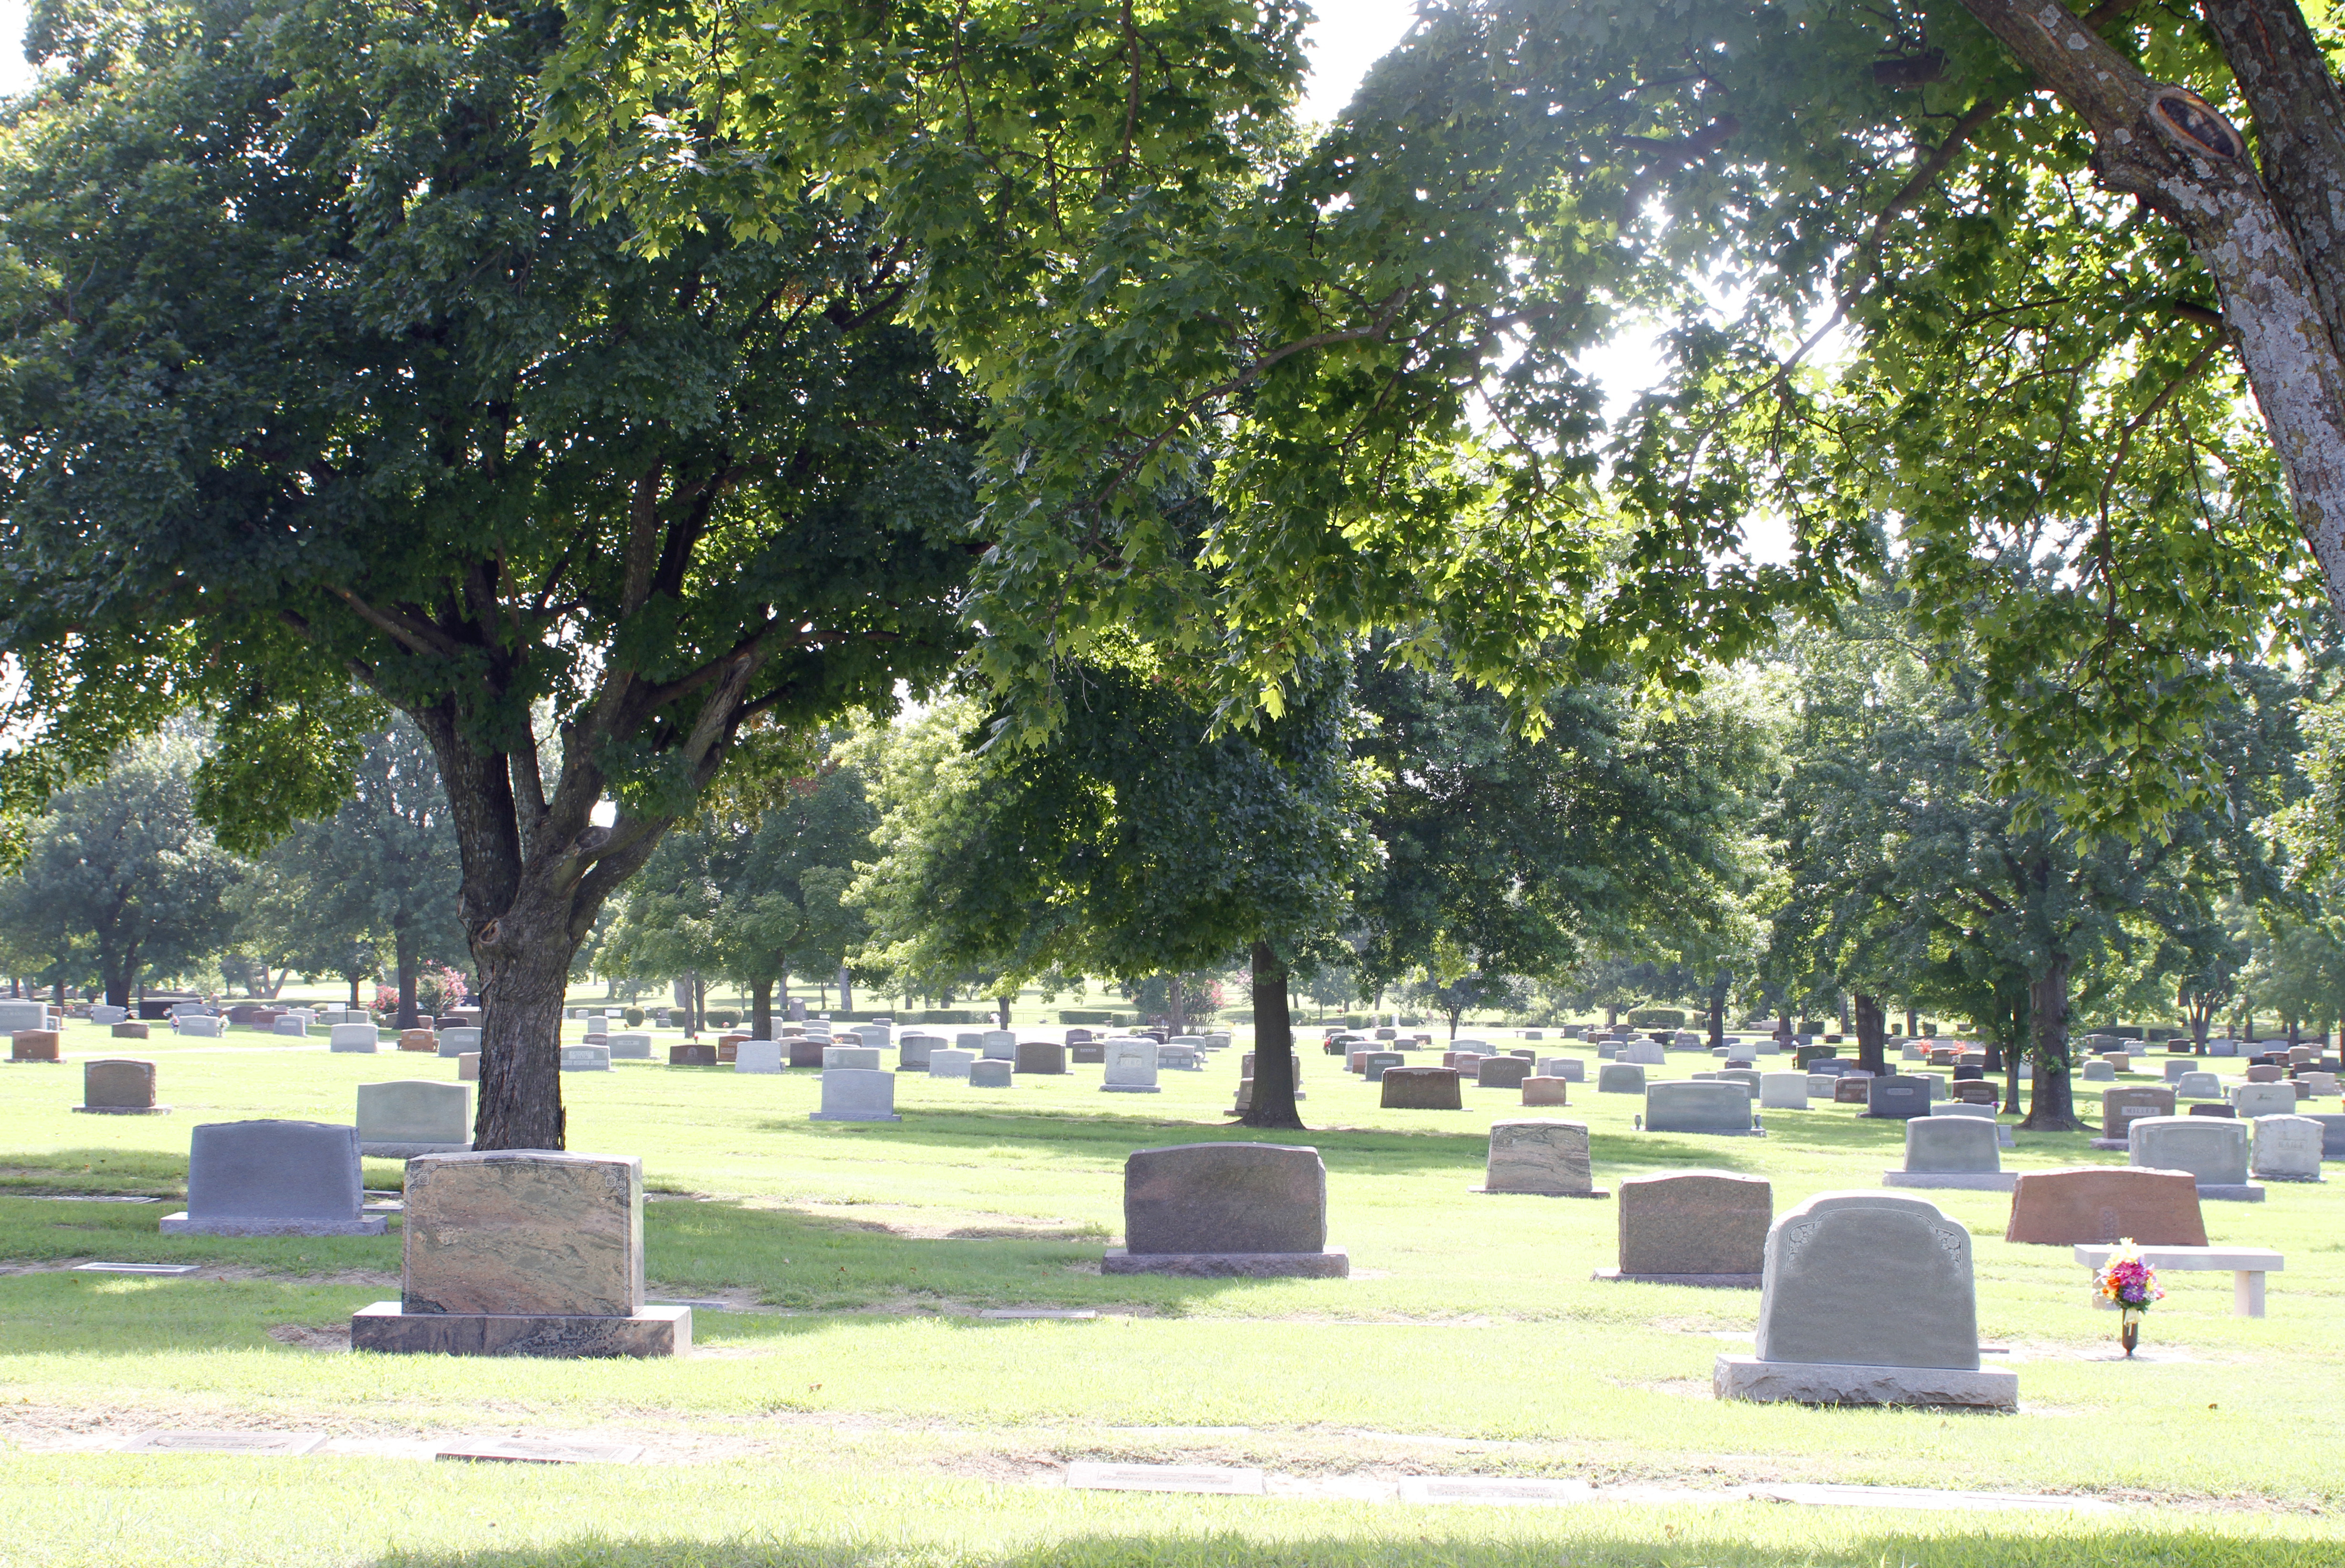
column 405, row 1117
column 1256, row 1210
column 114, row 1085
column 2106, row 1203
column 200, row 1026
column 1714, row 1106
column 758, row 1057
column 2287, row 1148
column 1547, row 1158
column 691, row 1054
column 36, row 1046
column 1420, row 1088
column 1131, row 1067
column 588, row 1057
column 1537, row 1091
column 524, row 1252
column 633, row 1045
column 912, row 1051
column 1375, row 1063
column 856, row 1094
column 998, row 1045
column 1952, row 1151
column 1502, row 1073
column 1896, row 1097
column 1828, row 1336
column 2214, row 1152
column 1621, row 1079
column 273, row 1179
column 1048, row 1058
column 1697, row 1225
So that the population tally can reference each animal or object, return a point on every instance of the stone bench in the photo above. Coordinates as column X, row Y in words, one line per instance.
column 2249, row 1265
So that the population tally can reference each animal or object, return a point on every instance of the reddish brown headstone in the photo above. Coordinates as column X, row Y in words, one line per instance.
column 418, row 1040
column 1852, row 1091
column 35, row 1046
column 129, row 1030
column 698, row 1054
column 2265, row 1073
column 1542, row 1091
column 2107, row 1203
column 1695, row 1222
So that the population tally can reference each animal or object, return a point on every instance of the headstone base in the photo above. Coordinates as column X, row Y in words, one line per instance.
column 1129, row 1089
column 410, row 1151
column 653, row 1331
column 1531, row 1192
column 2260, row 1176
column 1707, row 1131
column 165, row 1110
column 2230, row 1192
column 1966, row 1180
column 1335, row 1263
column 364, row 1225
column 853, row 1116
column 1831, row 1383
column 1707, row 1281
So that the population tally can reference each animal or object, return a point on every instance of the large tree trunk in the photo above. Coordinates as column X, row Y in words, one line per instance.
column 1872, row 1036
column 761, row 1009
column 2271, row 244
column 2051, row 1107
column 1180, row 1003
column 520, row 1037
column 1274, row 1045
column 116, row 977
column 1718, row 985
column 846, row 994
column 404, row 956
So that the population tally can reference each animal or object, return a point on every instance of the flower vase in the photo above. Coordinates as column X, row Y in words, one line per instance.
column 2129, row 1331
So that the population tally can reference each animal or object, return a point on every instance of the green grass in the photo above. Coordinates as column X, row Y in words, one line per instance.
column 859, row 1411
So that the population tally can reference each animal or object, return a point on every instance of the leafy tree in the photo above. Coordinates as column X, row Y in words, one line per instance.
column 1912, row 872
column 1454, row 997
column 380, row 402
column 1135, row 840
column 381, row 873
column 1613, row 830
column 755, row 900
column 122, row 881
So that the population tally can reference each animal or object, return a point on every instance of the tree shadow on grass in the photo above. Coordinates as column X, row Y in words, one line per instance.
column 117, row 1170
column 1706, row 1536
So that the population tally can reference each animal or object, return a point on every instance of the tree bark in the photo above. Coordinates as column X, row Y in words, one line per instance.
column 2051, row 1107
column 1872, row 1036
column 1274, row 1045
column 761, row 1009
column 404, row 955
column 521, row 1038
column 1180, row 1003
column 2166, row 147
column 846, row 995
column 1718, row 985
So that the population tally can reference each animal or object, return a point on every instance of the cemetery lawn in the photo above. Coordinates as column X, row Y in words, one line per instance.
column 847, row 1403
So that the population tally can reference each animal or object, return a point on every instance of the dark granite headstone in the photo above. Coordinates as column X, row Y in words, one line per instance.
column 1903, row 1097
column 1421, row 1089
column 273, row 1179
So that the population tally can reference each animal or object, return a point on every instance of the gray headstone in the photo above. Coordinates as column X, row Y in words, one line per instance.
column 587, row 1057
column 757, row 1057
column 105, row 1016
column 998, row 1045
column 1225, row 1197
column 951, row 1064
column 459, row 1042
column 865, row 1058
column 1621, row 1079
column 1130, row 1066
column 634, row 1045
column 856, row 1094
column 1643, row 1053
column 912, row 1051
column 2099, row 1072
column 362, row 1039
column 1783, row 1091
column 2198, row 1086
column 991, row 1073
column 414, row 1112
column 1696, row 1107
column 288, row 1024
column 1824, row 1300
column 2288, row 1148
column 1571, row 1069
column 1049, row 1057
column 2176, row 1066
column 1372, row 1066
column 2264, row 1100
column 1951, row 1145
column 273, row 1179
column 2213, row 1150
column 1502, row 1072
column 1897, row 1096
